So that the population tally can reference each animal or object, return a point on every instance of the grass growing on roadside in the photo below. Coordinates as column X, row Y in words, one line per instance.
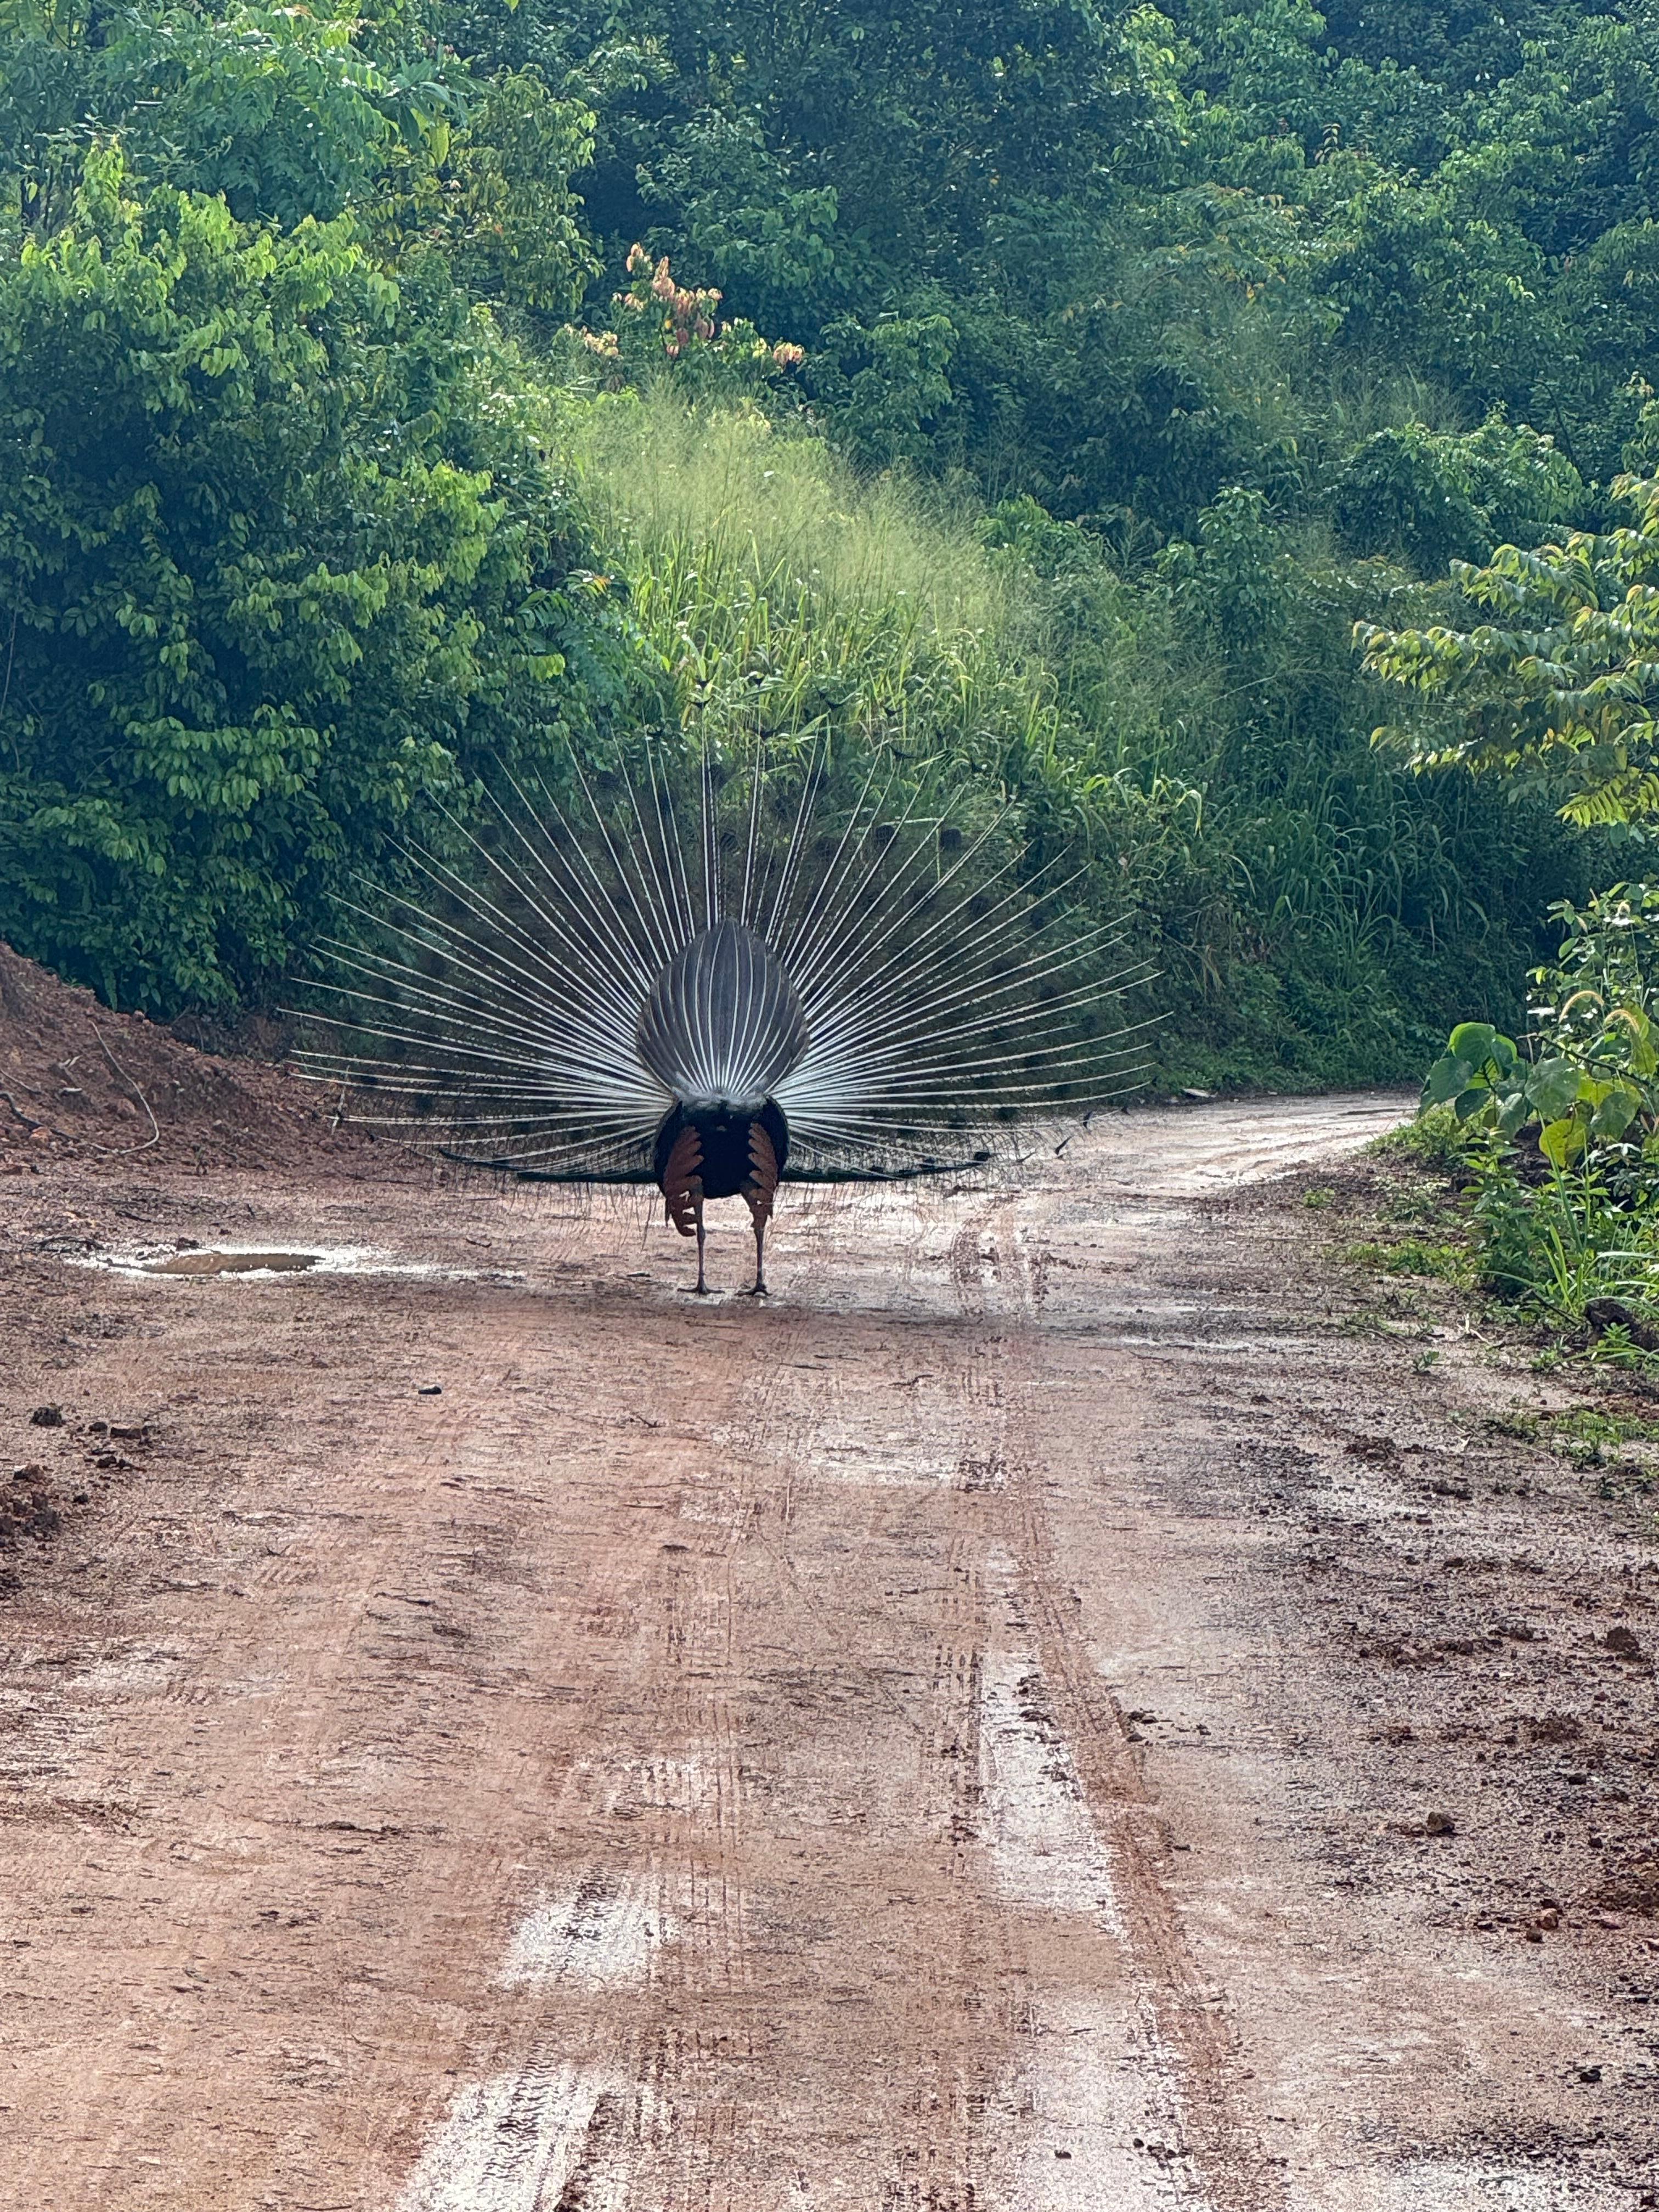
column 1560, row 1245
column 1435, row 1140
column 1587, row 1431
column 1572, row 1248
column 1411, row 1256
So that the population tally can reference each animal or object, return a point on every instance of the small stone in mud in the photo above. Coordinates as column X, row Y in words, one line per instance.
column 431, row 1390
column 1624, row 1641
column 1440, row 1824
column 1589, row 2073
column 47, row 1416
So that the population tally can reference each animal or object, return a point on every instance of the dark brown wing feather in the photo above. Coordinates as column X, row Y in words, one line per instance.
column 682, row 1183
column 762, row 1186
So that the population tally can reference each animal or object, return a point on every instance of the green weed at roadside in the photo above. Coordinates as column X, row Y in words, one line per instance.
column 1411, row 1256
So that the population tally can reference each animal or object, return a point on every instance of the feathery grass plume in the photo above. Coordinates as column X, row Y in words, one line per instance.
column 720, row 970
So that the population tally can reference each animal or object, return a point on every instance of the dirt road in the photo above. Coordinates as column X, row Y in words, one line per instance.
column 993, row 1728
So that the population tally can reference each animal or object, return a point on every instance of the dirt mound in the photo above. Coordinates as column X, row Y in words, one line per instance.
column 79, row 1081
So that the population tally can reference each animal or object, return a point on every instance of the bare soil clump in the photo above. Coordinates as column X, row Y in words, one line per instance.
column 79, row 1082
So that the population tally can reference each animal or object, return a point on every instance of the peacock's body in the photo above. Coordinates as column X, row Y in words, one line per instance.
column 719, row 977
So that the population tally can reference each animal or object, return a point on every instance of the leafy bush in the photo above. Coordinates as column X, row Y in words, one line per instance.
column 288, row 580
column 1586, row 1084
column 488, row 184
column 667, row 332
column 1590, row 1077
column 1560, row 692
column 1432, row 499
column 275, row 108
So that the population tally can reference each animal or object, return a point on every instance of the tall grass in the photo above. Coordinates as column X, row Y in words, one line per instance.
column 782, row 505
column 783, row 596
column 1299, row 893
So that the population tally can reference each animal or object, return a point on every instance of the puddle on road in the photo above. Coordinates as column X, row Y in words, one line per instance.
column 232, row 1263
column 268, row 1262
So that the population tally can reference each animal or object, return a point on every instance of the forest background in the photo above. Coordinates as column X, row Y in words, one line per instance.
column 389, row 399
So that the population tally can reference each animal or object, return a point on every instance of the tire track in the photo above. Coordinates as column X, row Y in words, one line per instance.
column 1149, row 2111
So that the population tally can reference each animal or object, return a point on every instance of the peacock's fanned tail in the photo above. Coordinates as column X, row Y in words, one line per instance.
column 879, row 957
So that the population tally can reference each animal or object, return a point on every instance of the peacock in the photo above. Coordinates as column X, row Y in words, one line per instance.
column 720, row 970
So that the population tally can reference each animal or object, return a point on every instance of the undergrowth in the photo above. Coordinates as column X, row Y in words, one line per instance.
column 1307, row 907
column 1553, row 1142
column 1574, row 1247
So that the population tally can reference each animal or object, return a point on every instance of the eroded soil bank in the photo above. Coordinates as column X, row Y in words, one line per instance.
column 1082, row 1700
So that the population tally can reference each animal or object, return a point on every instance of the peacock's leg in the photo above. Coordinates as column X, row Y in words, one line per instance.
column 703, row 1239
column 760, row 1190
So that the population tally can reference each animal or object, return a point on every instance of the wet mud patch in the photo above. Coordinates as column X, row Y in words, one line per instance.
column 186, row 1260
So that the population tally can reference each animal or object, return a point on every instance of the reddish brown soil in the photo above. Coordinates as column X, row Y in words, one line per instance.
column 77, row 1082
column 1063, row 1708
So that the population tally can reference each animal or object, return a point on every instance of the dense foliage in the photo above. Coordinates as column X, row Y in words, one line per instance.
column 1557, row 688
column 277, row 570
column 1556, row 1137
column 1137, row 357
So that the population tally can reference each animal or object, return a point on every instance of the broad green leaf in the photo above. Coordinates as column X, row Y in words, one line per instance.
column 1552, row 1088
column 1615, row 1113
column 1473, row 1042
column 1561, row 1142
column 1446, row 1078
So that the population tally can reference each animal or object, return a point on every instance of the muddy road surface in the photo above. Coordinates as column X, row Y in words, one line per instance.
column 1075, row 1705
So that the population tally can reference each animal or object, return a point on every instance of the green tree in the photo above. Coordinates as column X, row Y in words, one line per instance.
column 1560, row 691
column 1431, row 498
column 279, row 569
column 279, row 109
column 492, row 190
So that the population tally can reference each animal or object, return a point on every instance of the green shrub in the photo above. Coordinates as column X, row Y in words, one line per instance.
column 285, row 579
